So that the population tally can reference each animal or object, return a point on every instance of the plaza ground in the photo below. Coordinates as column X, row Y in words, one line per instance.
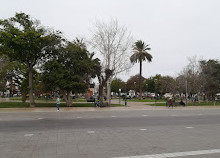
column 137, row 130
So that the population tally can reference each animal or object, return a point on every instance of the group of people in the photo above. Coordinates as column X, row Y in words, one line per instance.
column 171, row 103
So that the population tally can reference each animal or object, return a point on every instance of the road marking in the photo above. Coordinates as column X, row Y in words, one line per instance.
column 144, row 115
column 28, row 135
column 173, row 115
column 98, row 116
column 39, row 118
column 143, row 129
column 90, row 132
column 176, row 154
column 189, row 127
column 113, row 116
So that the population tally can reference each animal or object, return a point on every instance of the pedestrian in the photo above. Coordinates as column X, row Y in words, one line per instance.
column 182, row 103
column 58, row 103
column 170, row 102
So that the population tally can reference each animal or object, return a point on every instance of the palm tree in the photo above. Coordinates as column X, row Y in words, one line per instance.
column 140, row 54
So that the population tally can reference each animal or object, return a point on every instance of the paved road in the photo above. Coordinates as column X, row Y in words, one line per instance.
column 108, row 134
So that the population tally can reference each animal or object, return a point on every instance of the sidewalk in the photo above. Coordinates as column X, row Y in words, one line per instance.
column 130, row 106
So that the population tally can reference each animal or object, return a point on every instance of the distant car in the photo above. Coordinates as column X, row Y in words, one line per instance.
column 152, row 95
column 126, row 96
column 168, row 95
column 74, row 97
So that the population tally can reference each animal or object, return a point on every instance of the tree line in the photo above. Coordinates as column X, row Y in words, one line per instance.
column 39, row 59
column 198, row 78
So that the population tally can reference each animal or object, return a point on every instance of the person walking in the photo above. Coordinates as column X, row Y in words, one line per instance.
column 170, row 102
column 58, row 103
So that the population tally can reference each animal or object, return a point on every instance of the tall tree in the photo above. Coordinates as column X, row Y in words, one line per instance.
column 211, row 77
column 168, row 85
column 189, row 80
column 68, row 71
column 113, row 42
column 140, row 54
column 24, row 40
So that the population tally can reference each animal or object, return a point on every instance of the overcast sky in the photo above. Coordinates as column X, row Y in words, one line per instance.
column 175, row 29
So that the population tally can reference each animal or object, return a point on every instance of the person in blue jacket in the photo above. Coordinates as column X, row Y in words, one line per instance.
column 58, row 103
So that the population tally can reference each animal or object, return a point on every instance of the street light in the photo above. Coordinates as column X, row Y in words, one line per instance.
column 125, row 93
column 119, row 96
column 155, row 80
column 186, row 92
column 135, row 89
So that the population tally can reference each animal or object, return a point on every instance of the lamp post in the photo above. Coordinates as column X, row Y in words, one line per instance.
column 186, row 93
column 155, row 80
column 146, row 90
column 119, row 96
column 135, row 89
column 125, row 93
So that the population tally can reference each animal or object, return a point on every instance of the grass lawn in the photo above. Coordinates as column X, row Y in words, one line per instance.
column 42, row 99
column 26, row 105
column 192, row 104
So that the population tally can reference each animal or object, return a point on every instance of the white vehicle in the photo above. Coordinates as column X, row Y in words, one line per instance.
column 217, row 96
column 168, row 95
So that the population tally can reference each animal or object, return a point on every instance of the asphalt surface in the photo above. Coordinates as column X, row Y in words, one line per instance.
column 108, row 134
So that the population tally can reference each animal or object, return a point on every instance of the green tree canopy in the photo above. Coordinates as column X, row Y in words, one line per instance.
column 151, row 84
column 24, row 40
column 210, row 72
column 116, row 85
column 68, row 72
column 11, row 73
column 132, row 83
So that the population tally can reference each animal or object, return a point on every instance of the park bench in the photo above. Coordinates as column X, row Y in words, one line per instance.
column 104, row 104
column 175, row 103
column 92, row 100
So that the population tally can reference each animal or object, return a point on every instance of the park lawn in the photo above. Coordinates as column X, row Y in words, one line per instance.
column 26, row 105
column 42, row 99
column 19, row 99
column 190, row 104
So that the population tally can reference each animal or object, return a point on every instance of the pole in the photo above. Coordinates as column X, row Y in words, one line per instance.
column 155, row 91
column 125, row 94
column 186, row 92
column 119, row 96
column 135, row 89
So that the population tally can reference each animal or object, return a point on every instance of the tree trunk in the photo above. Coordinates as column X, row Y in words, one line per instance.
column 87, row 95
column 100, row 93
column 69, row 102
column 109, row 92
column 67, row 98
column 140, row 82
column 24, row 98
column 31, row 95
